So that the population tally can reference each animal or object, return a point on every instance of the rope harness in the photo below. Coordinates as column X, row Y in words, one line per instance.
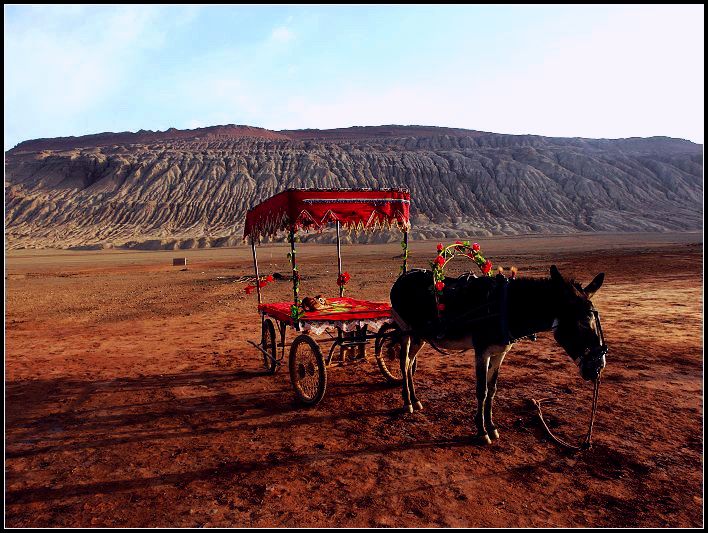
column 598, row 352
column 587, row 443
column 468, row 318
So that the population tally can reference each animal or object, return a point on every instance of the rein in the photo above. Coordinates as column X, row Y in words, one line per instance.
column 585, row 445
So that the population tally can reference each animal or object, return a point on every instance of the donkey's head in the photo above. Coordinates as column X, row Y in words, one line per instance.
column 577, row 328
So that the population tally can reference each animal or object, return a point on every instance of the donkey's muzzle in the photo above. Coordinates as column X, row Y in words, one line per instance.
column 593, row 362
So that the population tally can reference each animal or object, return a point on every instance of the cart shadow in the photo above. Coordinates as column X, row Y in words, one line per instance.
column 57, row 415
column 225, row 472
column 38, row 408
column 70, row 418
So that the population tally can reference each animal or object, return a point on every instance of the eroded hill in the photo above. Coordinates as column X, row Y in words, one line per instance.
column 189, row 188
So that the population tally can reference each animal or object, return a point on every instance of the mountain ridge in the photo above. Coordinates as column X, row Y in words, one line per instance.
column 243, row 131
column 191, row 188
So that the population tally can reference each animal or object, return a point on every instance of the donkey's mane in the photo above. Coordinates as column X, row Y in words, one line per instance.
column 533, row 284
column 545, row 283
column 529, row 289
column 576, row 284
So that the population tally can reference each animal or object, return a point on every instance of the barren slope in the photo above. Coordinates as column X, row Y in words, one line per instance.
column 192, row 188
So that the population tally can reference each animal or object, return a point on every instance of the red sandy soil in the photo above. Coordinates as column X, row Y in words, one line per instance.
column 133, row 399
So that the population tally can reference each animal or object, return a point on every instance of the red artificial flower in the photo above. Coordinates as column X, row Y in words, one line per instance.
column 440, row 247
column 475, row 247
column 249, row 289
column 440, row 260
column 269, row 278
column 439, row 285
column 441, row 307
column 262, row 283
column 343, row 278
column 487, row 267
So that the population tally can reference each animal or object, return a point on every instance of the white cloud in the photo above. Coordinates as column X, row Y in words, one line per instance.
column 196, row 123
column 282, row 34
column 638, row 74
column 62, row 64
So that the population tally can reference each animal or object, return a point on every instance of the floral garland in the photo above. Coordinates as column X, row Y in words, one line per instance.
column 342, row 280
column 296, row 311
column 262, row 282
column 404, row 256
column 447, row 253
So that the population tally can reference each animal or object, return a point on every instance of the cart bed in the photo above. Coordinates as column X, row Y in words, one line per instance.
column 339, row 310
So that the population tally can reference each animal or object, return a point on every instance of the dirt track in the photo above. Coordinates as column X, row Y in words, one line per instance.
column 133, row 399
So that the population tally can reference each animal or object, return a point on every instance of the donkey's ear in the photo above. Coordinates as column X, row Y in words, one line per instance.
column 594, row 285
column 555, row 274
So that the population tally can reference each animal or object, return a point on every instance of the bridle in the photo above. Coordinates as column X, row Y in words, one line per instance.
column 596, row 354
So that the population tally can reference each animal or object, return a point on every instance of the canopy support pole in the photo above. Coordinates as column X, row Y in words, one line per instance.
column 296, row 299
column 405, row 251
column 339, row 261
column 255, row 267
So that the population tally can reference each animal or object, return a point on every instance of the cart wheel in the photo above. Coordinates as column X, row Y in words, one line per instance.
column 307, row 370
column 268, row 344
column 388, row 351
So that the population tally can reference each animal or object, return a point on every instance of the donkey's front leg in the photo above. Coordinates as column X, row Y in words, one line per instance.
column 404, row 359
column 481, row 367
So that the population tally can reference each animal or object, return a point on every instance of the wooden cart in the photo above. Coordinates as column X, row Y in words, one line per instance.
column 348, row 324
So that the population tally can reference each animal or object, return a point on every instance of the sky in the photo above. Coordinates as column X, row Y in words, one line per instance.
column 574, row 71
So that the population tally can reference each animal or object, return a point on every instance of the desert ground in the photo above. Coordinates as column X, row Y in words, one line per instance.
column 133, row 398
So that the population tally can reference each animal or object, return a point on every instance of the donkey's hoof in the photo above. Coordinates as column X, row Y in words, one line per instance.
column 418, row 406
column 407, row 408
column 493, row 434
column 481, row 439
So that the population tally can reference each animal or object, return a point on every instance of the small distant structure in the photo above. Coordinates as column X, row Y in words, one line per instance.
column 179, row 261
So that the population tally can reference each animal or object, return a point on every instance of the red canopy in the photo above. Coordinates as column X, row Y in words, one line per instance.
column 312, row 209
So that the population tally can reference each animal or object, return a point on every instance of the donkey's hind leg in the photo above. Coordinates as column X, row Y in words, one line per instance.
column 497, row 354
column 481, row 367
column 412, row 358
column 405, row 364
